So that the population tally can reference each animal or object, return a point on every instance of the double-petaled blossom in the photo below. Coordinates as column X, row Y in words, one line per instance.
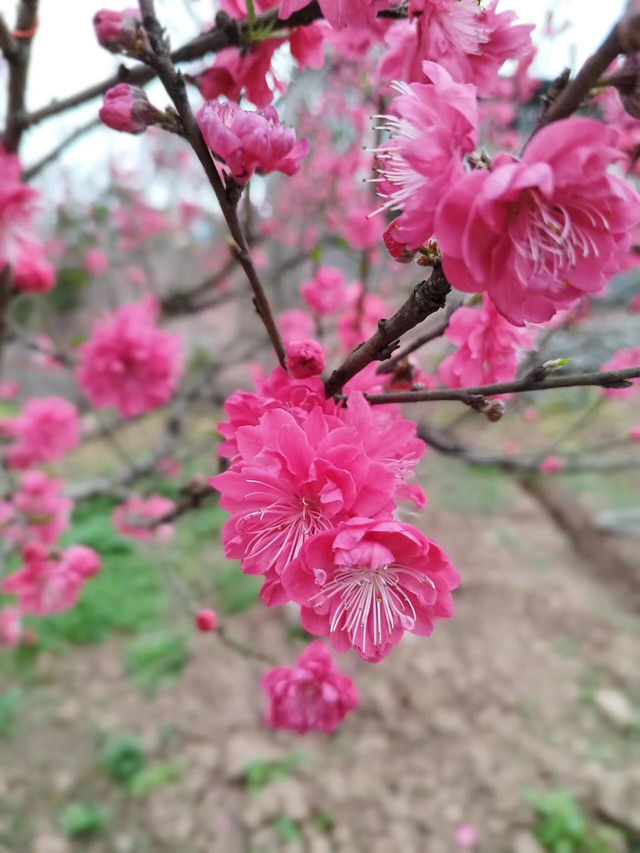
column 130, row 363
column 136, row 518
column 327, row 292
column 305, row 359
column 127, row 109
column 540, row 232
column 489, row 347
column 244, row 72
column 46, row 429
column 18, row 205
column 365, row 582
column 292, row 480
column 339, row 13
column 117, row 31
column 623, row 359
column 250, row 141
column 312, row 695
column 279, row 390
column 37, row 512
column 433, row 126
column 51, row 583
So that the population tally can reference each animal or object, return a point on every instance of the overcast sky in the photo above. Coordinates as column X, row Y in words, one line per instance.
column 66, row 57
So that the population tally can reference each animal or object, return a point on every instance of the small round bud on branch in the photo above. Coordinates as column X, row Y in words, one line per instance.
column 127, row 109
column 117, row 31
column 206, row 620
column 305, row 359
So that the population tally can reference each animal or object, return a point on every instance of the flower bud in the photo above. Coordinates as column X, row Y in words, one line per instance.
column 305, row 359
column 117, row 31
column 206, row 620
column 127, row 108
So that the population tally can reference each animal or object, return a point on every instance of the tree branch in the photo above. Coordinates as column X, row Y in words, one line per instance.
column 8, row 45
column 426, row 298
column 160, row 60
column 18, row 71
column 37, row 167
column 475, row 397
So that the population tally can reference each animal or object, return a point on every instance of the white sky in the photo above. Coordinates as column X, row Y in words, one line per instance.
column 67, row 58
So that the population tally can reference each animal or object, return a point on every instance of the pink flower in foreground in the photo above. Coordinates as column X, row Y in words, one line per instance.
column 355, row 13
column 488, row 347
column 46, row 429
column 134, row 518
column 305, row 359
column 293, row 480
column 537, row 234
column 130, row 363
column 41, row 512
column 553, row 465
column 624, row 358
column 295, row 325
column 96, row 262
column 327, row 292
column 127, row 109
column 10, row 627
column 117, row 31
column 250, row 141
column 433, row 126
column 364, row 583
column 51, row 584
column 312, row 695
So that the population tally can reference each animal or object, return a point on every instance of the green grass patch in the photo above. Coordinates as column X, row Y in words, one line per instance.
column 10, row 701
column 156, row 776
column 562, row 827
column 84, row 820
column 260, row 773
column 123, row 757
column 156, row 659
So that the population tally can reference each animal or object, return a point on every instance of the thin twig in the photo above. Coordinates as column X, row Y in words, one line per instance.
column 37, row 167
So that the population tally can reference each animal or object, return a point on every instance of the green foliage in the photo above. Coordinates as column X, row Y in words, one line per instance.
column 123, row 757
column 478, row 491
column 324, row 821
column 155, row 776
column 66, row 295
column 563, row 828
column 236, row 591
column 84, row 820
column 287, row 828
column 9, row 706
column 261, row 773
column 156, row 659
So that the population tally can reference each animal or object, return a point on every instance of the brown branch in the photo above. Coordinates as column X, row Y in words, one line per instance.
column 8, row 44
column 160, row 60
column 476, row 396
column 426, row 298
column 18, row 71
column 37, row 167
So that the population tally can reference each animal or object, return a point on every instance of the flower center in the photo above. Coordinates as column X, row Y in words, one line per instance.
column 552, row 237
column 369, row 602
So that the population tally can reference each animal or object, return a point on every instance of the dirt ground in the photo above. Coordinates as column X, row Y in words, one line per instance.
column 450, row 730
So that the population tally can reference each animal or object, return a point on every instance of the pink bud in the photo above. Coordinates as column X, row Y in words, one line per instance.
column 207, row 620
column 552, row 465
column 127, row 108
column 305, row 359
column 398, row 251
column 117, row 31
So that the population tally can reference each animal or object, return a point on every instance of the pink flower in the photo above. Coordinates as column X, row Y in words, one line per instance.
column 488, row 347
column 305, row 359
column 11, row 631
column 41, row 513
column 295, row 325
column 134, row 518
column 327, row 292
column 356, row 326
column 433, row 126
column 117, row 31
column 96, row 262
column 553, row 465
column 278, row 391
column 466, row 835
column 250, row 141
column 9, row 390
column 237, row 72
column 624, row 358
column 634, row 433
column 129, row 362
column 505, row 42
column 33, row 273
column 126, row 108
column 364, row 583
column 307, row 45
column 313, row 695
column 293, row 480
column 18, row 205
column 537, row 234
column 51, row 584
column 359, row 229
column 46, row 429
